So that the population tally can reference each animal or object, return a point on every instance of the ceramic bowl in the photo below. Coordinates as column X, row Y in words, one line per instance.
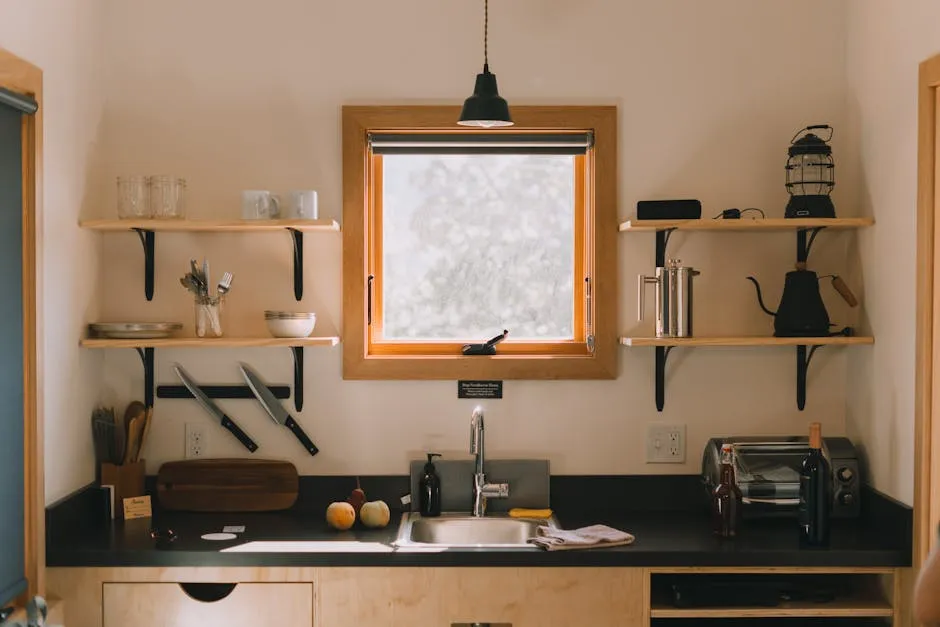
column 290, row 324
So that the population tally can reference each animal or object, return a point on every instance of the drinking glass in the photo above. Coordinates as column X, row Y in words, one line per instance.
column 166, row 197
column 133, row 197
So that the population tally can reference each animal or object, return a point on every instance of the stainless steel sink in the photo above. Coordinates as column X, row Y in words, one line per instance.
column 464, row 531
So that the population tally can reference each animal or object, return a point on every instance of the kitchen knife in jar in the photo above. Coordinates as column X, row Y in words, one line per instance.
column 213, row 409
column 275, row 409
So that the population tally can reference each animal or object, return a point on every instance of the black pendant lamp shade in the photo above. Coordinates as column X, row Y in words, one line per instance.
column 485, row 108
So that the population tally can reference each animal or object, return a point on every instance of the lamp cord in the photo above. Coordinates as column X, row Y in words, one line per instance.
column 486, row 36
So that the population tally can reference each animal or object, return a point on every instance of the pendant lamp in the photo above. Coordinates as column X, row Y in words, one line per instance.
column 485, row 108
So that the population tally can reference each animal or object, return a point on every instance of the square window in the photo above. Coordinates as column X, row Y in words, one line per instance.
column 473, row 244
column 453, row 235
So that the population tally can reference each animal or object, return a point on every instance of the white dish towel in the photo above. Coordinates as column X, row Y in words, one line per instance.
column 593, row 537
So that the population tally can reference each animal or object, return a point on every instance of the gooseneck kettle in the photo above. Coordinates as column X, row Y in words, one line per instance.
column 801, row 312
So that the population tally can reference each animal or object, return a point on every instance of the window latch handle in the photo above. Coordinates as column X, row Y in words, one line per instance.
column 489, row 348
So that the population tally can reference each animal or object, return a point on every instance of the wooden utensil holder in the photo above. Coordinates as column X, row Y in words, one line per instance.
column 128, row 481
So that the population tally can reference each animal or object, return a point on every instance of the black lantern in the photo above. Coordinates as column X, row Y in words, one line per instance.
column 810, row 175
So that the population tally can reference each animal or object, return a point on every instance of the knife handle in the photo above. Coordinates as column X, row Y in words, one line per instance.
column 299, row 432
column 229, row 424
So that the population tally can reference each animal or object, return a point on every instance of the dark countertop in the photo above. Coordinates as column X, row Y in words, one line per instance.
column 303, row 539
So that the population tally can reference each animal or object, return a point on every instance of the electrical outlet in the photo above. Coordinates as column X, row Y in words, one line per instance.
column 195, row 441
column 665, row 443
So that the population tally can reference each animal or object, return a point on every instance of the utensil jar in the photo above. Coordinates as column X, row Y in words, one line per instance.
column 673, row 298
column 208, row 314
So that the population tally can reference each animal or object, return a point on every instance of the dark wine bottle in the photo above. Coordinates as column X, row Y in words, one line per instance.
column 726, row 498
column 815, row 492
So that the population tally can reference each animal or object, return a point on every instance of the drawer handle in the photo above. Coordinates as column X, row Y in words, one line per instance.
column 207, row 592
column 481, row 625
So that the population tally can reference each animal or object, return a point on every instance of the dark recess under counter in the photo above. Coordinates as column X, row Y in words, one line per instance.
column 664, row 513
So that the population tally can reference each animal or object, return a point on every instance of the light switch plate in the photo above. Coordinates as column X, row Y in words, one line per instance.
column 665, row 443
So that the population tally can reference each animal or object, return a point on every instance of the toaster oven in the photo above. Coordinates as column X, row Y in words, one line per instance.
column 767, row 470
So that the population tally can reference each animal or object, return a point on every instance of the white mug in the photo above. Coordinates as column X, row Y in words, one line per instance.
column 260, row 205
column 302, row 205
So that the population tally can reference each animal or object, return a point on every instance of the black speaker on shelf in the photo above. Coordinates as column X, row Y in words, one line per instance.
column 668, row 210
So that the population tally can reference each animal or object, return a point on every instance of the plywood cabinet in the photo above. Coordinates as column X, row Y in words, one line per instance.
column 169, row 605
column 442, row 597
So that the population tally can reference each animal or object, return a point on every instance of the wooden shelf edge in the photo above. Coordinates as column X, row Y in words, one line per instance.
column 209, row 226
column 808, row 610
column 199, row 342
column 745, row 224
column 747, row 341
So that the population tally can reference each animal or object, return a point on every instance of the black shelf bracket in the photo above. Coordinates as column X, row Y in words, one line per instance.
column 146, row 356
column 662, row 353
column 297, row 237
column 802, row 365
column 804, row 244
column 298, row 352
column 148, row 240
column 662, row 239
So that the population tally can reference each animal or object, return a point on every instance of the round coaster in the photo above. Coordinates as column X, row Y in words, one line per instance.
column 219, row 536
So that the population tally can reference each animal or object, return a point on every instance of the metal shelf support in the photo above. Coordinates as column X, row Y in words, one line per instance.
column 662, row 353
column 148, row 240
column 297, row 237
column 662, row 239
column 804, row 244
column 146, row 357
column 802, row 365
column 298, row 353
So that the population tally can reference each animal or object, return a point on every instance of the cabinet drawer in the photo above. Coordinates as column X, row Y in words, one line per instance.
column 445, row 597
column 174, row 605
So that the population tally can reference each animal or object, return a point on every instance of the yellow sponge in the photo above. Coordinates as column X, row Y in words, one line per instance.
column 518, row 512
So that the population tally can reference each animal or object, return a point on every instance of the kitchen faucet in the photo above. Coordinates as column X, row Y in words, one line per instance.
column 481, row 489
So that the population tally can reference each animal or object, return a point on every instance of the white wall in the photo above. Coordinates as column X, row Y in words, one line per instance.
column 63, row 38
column 242, row 95
column 885, row 43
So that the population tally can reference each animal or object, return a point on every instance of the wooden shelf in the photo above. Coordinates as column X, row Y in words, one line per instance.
column 215, row 342
column 745, row 224
column 856, row 608
column 838, row 340
column 209, row 226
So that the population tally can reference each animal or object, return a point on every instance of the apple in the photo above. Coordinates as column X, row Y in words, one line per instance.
column 374, row 514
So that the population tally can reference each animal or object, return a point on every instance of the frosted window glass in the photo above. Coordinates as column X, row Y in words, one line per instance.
column 473, row 244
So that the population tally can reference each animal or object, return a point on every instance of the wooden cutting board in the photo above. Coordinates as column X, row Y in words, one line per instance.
column 227, row 485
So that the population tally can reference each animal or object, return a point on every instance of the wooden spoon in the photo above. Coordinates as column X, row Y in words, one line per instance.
column 144, row 431
column 134, row 411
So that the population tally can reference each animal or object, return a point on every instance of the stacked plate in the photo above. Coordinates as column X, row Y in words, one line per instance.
column 290, row 323
column 134, row 330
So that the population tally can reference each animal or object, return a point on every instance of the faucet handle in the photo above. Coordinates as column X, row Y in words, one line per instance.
column 495, row 490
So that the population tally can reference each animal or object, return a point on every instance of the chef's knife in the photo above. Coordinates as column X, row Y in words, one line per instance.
column 214, row 410
column 275, row 409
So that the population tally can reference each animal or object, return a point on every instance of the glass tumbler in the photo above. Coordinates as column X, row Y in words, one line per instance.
column 166, row 197
column 133, row 197
column 208, row 317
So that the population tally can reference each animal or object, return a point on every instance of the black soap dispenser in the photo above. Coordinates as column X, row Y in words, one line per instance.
column 430, row 489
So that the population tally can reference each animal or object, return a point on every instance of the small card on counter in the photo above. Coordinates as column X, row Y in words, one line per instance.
column 233, row 529
column 137, row 507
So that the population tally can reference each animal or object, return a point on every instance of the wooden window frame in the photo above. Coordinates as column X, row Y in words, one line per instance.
column 516, row 360
column 24, row 78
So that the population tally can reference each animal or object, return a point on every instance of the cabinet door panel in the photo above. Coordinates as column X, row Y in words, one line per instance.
column 167, row 605
column 441, row 597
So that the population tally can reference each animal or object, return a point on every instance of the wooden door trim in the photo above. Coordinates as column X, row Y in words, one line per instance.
column 25, row 78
